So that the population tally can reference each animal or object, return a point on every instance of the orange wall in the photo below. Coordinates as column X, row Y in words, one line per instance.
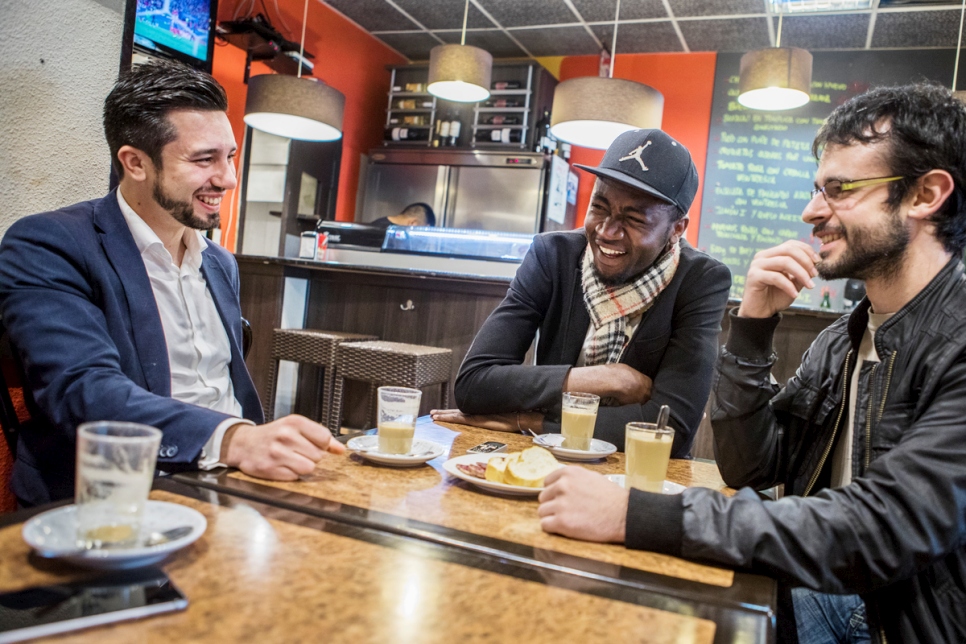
column 687, row 82
column 347, row 58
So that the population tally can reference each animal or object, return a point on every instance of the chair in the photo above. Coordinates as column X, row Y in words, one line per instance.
column 390, row 363
column 246, row 337
column 309, row 346
column 13, row 413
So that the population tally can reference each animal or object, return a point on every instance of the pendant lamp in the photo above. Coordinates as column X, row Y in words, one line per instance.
column 294, row 107
column 460, row 73
column 592, row 111
column 777, row 78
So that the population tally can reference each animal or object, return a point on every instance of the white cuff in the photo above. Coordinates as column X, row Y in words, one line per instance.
column 211, row 452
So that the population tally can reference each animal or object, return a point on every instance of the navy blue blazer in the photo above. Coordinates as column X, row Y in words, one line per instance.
column 79, row 309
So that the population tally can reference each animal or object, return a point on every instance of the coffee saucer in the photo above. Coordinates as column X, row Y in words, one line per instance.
column 368, row 448
column 670, row 487
column 53, row 535
column 554, row 442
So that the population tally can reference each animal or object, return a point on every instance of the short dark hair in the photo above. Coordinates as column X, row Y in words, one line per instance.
column 136, row 110
column 924, row 127
column 423, row 210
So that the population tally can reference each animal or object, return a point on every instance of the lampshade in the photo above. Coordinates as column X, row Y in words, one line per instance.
column 777, row 78
column 296, row 108
column 460, row 73
column 591, row 111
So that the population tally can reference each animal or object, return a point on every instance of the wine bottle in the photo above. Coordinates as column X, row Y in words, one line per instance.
column 454, row 130
column 502, row 102
column 506, row 135
column 406, row 134
column 500, row 119
column 498, row 85
column 547, row 142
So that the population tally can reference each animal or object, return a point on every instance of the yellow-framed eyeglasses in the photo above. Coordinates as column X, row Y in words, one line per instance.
column 834, row 190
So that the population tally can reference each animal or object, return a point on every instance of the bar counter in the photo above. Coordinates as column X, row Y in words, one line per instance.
column 419, row 300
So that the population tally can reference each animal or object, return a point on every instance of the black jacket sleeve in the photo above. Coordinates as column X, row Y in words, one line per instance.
column 493, row 378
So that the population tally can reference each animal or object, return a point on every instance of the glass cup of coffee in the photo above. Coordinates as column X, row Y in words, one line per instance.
column 398, row 409
column 115, row 468
column 647, row 450
column 577, row 419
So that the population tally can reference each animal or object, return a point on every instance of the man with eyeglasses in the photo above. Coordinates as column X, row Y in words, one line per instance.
column 868, row 437
column 625, row 309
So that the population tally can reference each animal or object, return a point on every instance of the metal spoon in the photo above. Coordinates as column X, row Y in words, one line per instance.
column 363, row 450
column 153, row 539
column 662, row 416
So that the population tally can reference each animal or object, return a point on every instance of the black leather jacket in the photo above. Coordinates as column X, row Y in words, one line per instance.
column 897, row 534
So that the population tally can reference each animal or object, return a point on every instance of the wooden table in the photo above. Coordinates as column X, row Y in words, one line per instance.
column 264, row 574
column 428, row 505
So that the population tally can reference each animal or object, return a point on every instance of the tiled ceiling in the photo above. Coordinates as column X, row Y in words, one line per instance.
column 521, row 28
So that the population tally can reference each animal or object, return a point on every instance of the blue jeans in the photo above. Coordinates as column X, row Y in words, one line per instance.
column 829, row 619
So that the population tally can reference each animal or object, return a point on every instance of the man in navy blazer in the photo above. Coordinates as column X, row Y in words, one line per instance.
column 89, row 302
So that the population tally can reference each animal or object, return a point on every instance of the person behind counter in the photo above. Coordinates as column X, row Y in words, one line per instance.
column 868, row 437
column 626, row 309
column 415, row 214
column 120, row 309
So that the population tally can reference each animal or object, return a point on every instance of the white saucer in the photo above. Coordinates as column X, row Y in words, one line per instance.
column 490, row 486
column 670, row 487
column 368, row 448
column 53, row 534
column 598, row 449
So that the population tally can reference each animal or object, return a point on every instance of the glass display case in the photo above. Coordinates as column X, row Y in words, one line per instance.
column 457, row 242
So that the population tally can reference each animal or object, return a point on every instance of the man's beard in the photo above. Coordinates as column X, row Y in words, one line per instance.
column 869, row 254
column 183, row 211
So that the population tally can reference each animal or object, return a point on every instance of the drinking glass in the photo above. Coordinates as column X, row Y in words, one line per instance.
column 398, row 409
column 578, row 416
column 115, row 468
column 647, row 449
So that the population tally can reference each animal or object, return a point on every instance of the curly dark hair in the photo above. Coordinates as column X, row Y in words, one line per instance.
column 136, row 110
column 924, row 126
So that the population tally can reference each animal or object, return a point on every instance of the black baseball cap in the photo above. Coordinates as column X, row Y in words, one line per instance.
column 651, row 161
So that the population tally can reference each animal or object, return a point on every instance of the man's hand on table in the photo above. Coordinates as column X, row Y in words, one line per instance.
column 619, row 382
column 775, row 277
column 515, row 422
column 281, row 450
column 581, row 504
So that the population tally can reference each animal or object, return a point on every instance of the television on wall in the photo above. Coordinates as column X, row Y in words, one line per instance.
column 183, row 30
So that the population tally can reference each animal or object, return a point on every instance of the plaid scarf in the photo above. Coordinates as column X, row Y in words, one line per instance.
column 610, row 306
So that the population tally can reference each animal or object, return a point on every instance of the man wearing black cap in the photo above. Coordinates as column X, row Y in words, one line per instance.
column 628, row 310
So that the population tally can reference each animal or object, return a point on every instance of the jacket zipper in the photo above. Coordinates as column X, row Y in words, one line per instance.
column 868, row 440
column 835, row 429
column 885, row 393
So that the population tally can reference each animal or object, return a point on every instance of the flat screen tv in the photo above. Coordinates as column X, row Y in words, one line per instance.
column 180, row 29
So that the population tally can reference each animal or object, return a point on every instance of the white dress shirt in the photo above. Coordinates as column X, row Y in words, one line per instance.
column 199, row 354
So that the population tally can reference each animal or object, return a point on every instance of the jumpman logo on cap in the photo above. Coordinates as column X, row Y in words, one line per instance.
column 636, row 155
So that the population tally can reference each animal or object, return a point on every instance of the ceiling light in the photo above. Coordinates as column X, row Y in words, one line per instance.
column 777, row 78
column 592, row 111
column 294, row 107
column 460, row 73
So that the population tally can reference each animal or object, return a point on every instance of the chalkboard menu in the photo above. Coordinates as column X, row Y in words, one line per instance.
column 760, row 169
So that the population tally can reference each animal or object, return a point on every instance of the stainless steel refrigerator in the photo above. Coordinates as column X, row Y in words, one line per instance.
column 483, row 190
